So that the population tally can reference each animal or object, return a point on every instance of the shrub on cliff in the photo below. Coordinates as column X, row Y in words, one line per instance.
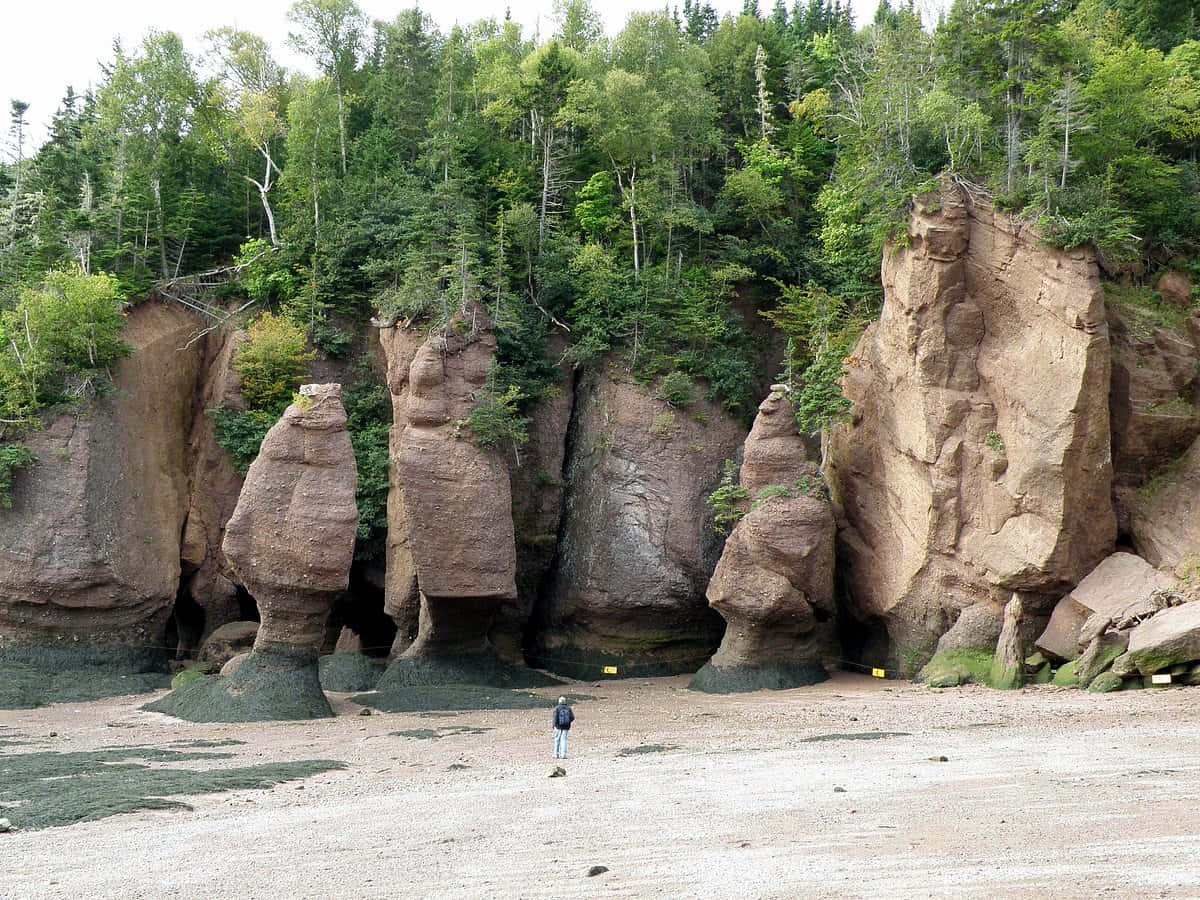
column 272, row 362
column 57, row 341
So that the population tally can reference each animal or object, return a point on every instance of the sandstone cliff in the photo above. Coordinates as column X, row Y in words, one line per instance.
column 214, row 485
column 634, row 556
column 91, row 547
column 977, row 460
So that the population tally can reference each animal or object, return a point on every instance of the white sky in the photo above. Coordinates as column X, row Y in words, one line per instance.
column 47, row 44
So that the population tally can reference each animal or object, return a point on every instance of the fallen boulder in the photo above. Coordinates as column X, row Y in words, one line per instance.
column 1120, row 580
column 1169, row 638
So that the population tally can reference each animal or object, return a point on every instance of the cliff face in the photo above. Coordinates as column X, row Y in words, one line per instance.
column 977, row 460
column 634, row 555
column 91, row 547
column 214, row 485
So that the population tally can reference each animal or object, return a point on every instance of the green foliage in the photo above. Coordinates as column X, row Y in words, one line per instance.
column 272, row 362
column 12, row 458
column 677, row 389
column 240, row 433
column 729, row 502
column 769, row 493
column 264, row 275
column 369, row 419
column 496, row 418
column 57, row 340
column 994, row 442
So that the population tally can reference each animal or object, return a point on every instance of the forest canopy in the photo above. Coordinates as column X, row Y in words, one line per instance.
column 646, row 194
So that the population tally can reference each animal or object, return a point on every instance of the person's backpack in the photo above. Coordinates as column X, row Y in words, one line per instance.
column 563, row 717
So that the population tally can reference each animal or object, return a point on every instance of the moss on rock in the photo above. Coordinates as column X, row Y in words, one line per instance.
column 951, row 668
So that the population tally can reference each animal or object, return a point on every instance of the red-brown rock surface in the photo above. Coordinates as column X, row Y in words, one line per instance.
column 291, row 538
column 1166, row 516
column 214, row 485
column 634, row 556
column 91, row 546
column 401, row 597
column 977, row 459
column 455, row 497
column 774, row 583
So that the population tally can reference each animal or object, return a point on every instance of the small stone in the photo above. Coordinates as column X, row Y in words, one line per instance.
column 54, row 734
column 5, row 826
column 558, row 772
column 365, row 711
column 596, row 870
column 939, row 759
column 854, row 718
column 838, row 789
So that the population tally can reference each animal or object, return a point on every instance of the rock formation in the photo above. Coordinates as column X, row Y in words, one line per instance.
column 1008, row 666
column 90, row 549
column 1119, row 581
column 634, row 555
column 1155, row 386
column 291, row 542
column 537, row 500
column 401, row 597
column 455, row 497
column 976, row 463
column 774, row 583
column 1169, row 638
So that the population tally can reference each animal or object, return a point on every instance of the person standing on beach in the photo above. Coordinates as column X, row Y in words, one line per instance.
column 562, row 719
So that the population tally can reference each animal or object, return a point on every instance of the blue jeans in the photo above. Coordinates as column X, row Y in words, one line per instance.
column 560, row 743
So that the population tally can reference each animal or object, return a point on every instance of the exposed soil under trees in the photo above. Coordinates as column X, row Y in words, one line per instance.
column 1041, row 791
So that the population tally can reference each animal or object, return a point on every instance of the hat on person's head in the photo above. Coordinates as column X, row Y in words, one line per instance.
column 562, row 699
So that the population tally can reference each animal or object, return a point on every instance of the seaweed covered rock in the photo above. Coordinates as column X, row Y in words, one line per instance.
column 291, row 542
column 90, row 550
column 976, row 460
column 349, row 672
column 1169, row 638
column 634, row 554
column 774, row 582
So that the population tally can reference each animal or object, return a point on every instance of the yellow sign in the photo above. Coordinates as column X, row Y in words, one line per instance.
column 610, row 670
column 878, row 673
column 1163, row 678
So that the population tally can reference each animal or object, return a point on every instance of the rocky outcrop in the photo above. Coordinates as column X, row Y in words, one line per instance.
column 291, row 542
column 214, row 485
column 91, row 546
column 455, row 497
column 1121, row 580
column 291, row 538
column 634, row 554
column 976, row 463
column 774, row 583
column 401, row 597
column 1166, row 516
column 228, row 641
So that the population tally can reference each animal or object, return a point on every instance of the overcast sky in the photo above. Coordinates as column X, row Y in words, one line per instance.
column 47, row 44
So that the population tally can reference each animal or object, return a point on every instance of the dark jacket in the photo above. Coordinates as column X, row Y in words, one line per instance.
column 567, row 718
